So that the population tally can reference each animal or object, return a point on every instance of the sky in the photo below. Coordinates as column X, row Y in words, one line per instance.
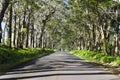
column 66, row 2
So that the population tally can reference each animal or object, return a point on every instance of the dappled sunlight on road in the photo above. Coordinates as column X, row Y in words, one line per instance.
column 59, row 66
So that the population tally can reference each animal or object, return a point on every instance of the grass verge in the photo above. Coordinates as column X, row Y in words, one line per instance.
column 10, row 58
column 111, row 63
column 97, row 57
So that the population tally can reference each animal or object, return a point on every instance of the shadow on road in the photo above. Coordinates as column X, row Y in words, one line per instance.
column 56, row 64
column 57, row 74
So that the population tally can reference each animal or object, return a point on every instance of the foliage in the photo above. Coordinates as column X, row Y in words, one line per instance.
column 70, row 24
column 12, row 57
column 97, row 57
column 96, row 25
column 8, row 41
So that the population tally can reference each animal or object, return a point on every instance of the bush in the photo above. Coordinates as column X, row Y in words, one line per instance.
column 107, row 59
column 98, row 56
column 118, row 62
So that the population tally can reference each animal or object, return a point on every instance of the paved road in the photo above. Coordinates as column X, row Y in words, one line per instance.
column 58, row 66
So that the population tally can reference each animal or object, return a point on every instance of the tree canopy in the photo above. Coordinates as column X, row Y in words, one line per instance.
column 70, row 24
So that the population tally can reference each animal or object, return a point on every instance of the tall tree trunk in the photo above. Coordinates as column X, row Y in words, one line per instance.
column 117, row 40
column 33, row 35
column 24, row 17
column 28, row 30
column 117, row 29
column 105, row 38
column 15, row 28
column 41, row 36
column 24, row 29
column 5, row 4
column 5, row 31
column 19, row 45
column 94, row 37
column 10, row 26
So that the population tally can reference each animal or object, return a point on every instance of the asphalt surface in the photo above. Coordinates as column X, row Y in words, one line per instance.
column 58, row 66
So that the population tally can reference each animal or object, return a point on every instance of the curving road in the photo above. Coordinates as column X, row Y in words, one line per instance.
column 58, row 66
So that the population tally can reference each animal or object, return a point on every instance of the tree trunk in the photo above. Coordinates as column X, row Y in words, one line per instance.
column 15, row 28
column 10, row 26
column 28, row 29
column 41, row 36
column 94, row 37
column 5, row 4
column 105, row 38
column 33, row 35
column 5, row 31
column 117, row 40
column 24, row 29
column 19, row 41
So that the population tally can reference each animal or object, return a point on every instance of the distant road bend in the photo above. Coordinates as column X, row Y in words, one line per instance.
column 58, row 66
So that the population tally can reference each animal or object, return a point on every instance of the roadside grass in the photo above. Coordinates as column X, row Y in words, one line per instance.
column 10, row 58
column 97, row 57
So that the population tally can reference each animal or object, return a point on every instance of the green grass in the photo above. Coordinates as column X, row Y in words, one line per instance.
column 10, row 58
column 97, row 57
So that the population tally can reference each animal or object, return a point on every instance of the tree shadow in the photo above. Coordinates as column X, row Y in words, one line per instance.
column 56, row 74
column 52, row 63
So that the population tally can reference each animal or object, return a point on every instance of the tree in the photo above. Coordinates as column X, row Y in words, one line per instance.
column 5, row 4
column 93, row 22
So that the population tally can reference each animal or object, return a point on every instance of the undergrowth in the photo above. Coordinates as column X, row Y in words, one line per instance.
column 97, row 57
column 9, row 58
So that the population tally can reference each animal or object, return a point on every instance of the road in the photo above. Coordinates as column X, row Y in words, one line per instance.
column 58, row 66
